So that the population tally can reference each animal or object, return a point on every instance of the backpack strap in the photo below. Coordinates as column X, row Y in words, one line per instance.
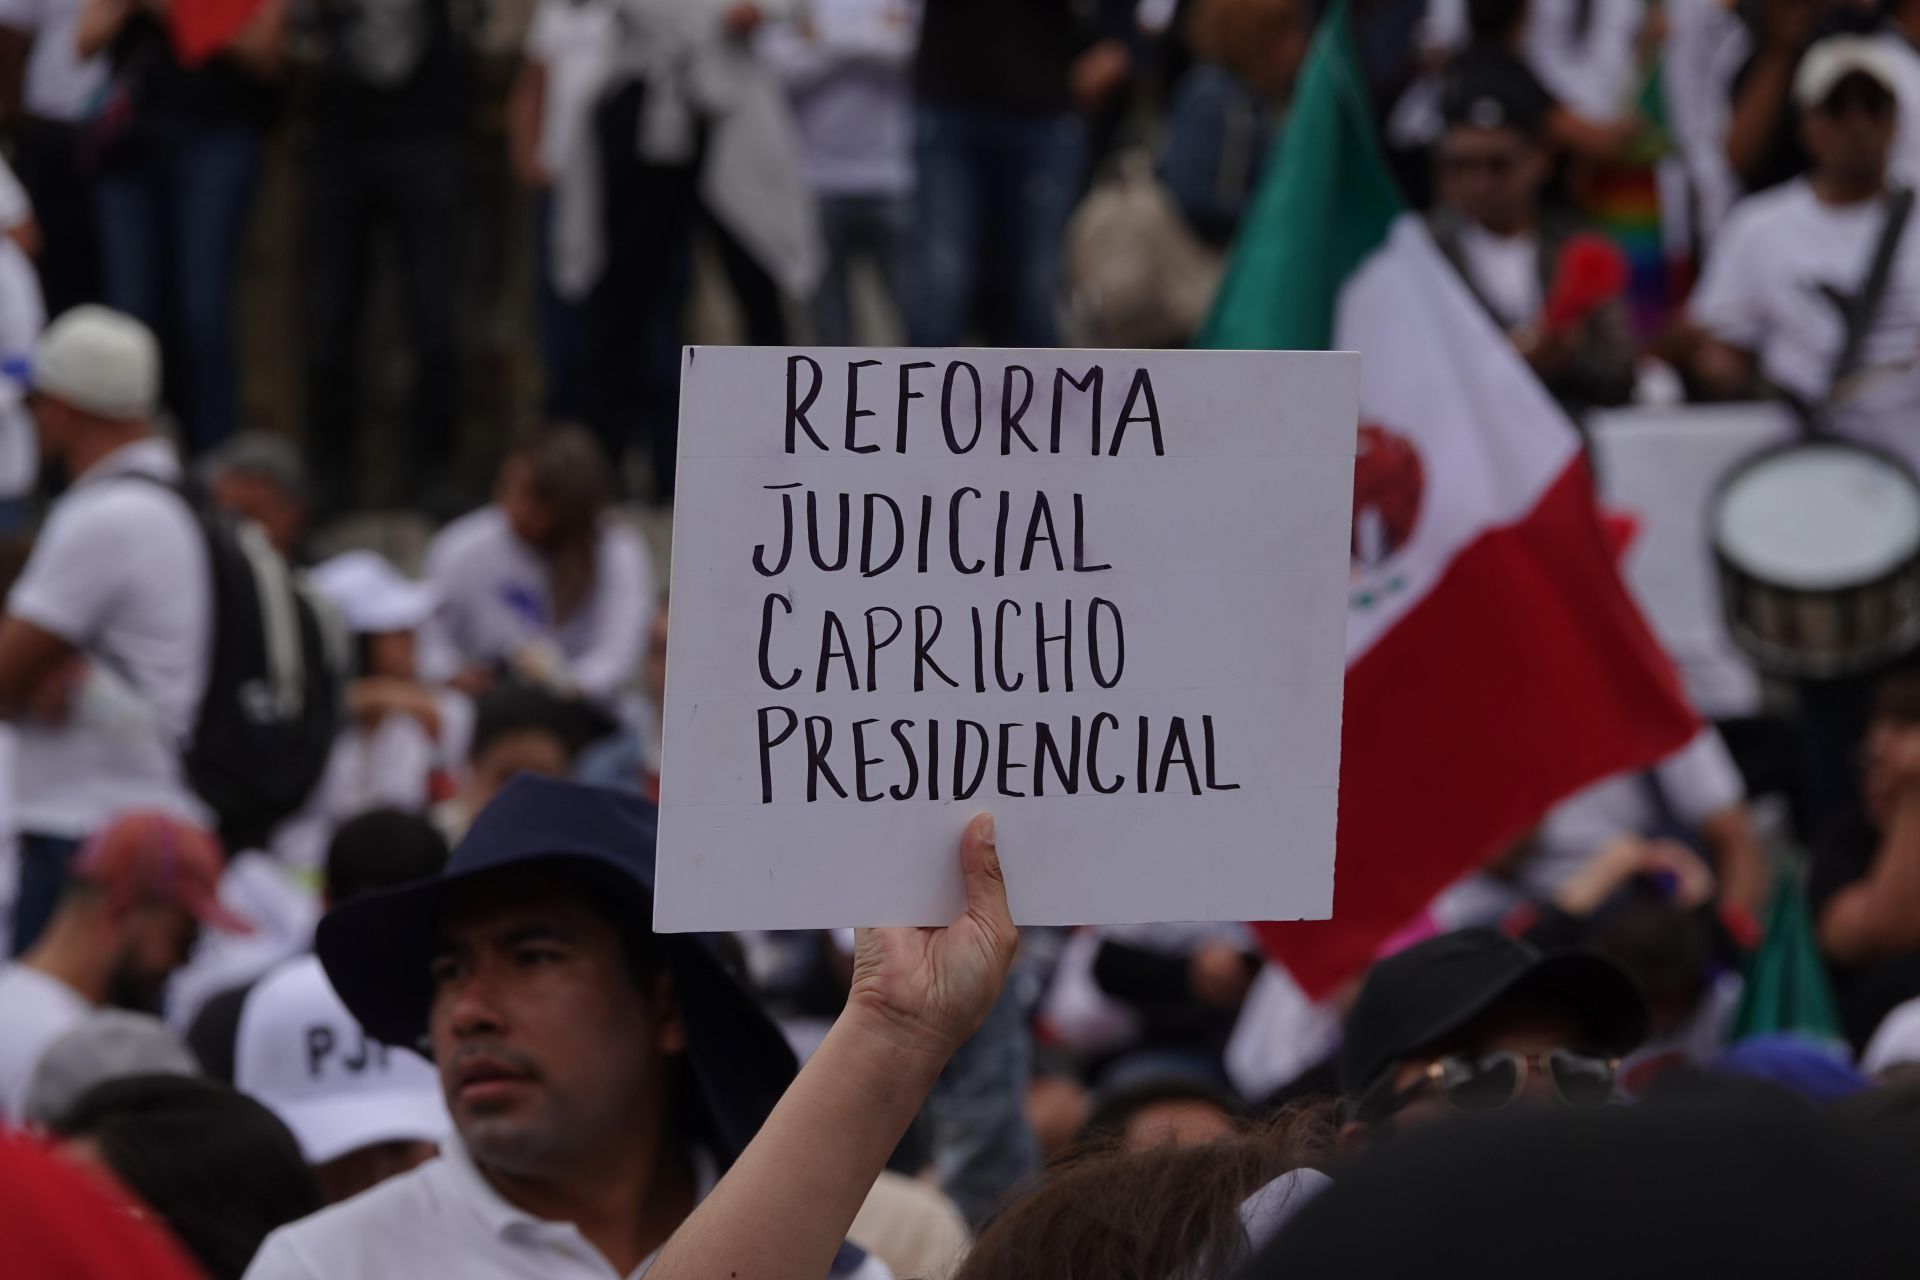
column 1868, row 299
column 273, row 589
column 279, row 618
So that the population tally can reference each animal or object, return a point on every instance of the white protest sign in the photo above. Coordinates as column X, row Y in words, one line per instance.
column 1099, row 594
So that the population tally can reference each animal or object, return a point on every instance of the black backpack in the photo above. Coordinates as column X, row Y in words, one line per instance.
column 273, row 702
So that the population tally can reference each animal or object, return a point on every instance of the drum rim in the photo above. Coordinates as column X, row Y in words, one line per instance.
column 1716, row 499
column 1784, row 661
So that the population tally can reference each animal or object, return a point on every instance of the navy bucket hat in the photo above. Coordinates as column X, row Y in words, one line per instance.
column 377, row 950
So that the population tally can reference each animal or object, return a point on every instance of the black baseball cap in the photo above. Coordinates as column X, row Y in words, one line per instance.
column 1420, row 996
column 1494, row 93
column 378, row 949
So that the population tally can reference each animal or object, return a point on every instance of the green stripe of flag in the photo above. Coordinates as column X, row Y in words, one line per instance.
column 1325, row 203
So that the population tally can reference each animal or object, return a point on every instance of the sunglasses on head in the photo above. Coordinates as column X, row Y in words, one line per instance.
column 1490, row 1081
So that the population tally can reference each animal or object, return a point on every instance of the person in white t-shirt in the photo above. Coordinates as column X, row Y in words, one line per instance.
column 119, row 579
column 1791, row 262
column 545, row 584
column 55, row 88
column 1493, row 161
column 128, row 918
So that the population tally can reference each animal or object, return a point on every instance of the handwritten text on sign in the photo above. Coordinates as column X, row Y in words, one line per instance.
column 1100, row 593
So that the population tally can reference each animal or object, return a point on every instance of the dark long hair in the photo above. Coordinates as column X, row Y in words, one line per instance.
column 218, row 1169
column 1101, row 1212
column 572, row 479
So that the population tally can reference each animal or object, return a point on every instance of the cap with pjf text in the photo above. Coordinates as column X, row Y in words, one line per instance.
column 299, row 1052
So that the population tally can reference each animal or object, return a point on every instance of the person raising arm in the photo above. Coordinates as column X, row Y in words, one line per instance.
column 1877, row 917
column 784, row 1208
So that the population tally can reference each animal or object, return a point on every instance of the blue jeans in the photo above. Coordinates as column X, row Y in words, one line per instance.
column 358, row 190
column 173, row 216
column 634, row 317
column 563, row 329
column 43, row 878
column 995, row 194
column 878, row 228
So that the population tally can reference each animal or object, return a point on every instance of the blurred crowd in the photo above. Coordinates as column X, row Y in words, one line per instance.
column 1023, row 174
column 327, row 878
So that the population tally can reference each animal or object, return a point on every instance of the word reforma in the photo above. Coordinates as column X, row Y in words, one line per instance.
column 963, row 410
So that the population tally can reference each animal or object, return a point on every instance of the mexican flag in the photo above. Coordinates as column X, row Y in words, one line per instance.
column 1495, row 663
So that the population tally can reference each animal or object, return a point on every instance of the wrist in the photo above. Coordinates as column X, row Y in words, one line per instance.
column 902, row 1053
column 1577, row 901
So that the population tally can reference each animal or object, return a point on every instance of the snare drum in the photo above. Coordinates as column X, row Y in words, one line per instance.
column 1818, row 549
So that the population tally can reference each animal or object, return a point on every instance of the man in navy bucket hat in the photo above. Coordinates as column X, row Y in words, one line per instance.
column 600, row 1077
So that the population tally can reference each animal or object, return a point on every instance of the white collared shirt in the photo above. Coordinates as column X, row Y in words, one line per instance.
column 442, row 1219
column 121, row 572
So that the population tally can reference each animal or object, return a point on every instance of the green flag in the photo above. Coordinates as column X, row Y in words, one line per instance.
column 1325, row 205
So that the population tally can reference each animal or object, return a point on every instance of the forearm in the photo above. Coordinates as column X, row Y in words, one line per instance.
column 28, row 653
column 783, row 1209
column 1598, row 140
column 14, row 47
column 100, row 21
column 1757, row 110
column 526, row 102
column 1879, row 916
column 619, row 639
column 1722, row 370
column 374, row 696
column 259, row 45
column 1738, row 860
column 1605, row 364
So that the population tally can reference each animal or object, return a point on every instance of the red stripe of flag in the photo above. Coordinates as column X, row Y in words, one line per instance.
column 1525, row 674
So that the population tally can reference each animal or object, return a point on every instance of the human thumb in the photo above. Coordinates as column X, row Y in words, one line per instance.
column 986, row 886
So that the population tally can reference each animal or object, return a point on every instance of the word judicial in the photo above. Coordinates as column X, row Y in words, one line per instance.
column 886, row 533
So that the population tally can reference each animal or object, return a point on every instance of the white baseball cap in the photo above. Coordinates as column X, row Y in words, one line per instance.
column 373, row 597
column 1832, row 60
column 100, row 361
column 301, row 1054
